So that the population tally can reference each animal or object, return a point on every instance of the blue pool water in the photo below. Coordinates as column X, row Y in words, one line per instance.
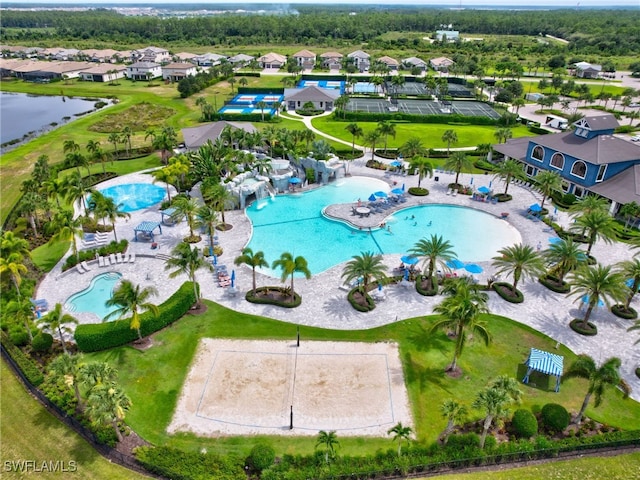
column 92, row 299
column 135, row 196
column 294, row 223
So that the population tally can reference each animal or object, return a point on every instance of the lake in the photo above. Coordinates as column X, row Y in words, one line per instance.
column 24, row 116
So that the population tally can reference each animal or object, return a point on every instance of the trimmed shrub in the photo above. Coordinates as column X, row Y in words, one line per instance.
column 28, row 366
column 427, row 293
column 371, row 304
column 42, row 342
column 577, row 325
column 101, row 336
column 553, row 284
column 262, row 456
column 418, row 192
column 502, row 197
column 503, row 289
column 180, row 465
column 250, row 297
column 19, row 338
column 555, row 417
column 621, row 312
column 524, row 423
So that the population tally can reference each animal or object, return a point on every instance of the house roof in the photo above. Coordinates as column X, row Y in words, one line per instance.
column 514, row 148
column 151, row 49
column 441, row 61
column 179, row 66
column 104, row 68
column 588, row 66
column 622, row 188
column 305, row 54
column 414, row 61
column 358, row 54
column 215, row 56
column 598, row 150
column 60, row 67
column 311, row 94
column 331, row 55
column 195, row 137
column 241, row 57
column 144, row 65
column 273, row 57
column 185, row 55
column 606, row 121
column 388, row 60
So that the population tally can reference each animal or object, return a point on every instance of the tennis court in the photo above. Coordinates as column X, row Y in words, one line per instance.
column 428, row 107
column 409, row 88
column 475, row 109
column 364, row 87
column 251, row 99
column 460, row 91
column 369, row 105
column 246, row 110
column 328, row 84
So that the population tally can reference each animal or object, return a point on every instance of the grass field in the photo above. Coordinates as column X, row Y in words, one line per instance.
column 31, row 433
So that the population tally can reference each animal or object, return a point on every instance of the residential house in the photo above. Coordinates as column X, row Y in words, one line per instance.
column 174, row 72
column 587, row 70
column 184, row 57
column 331, row 60
column 589, row 158
column 210, row 59
column 361, row 60
column 322, row 98
column 272, row 60
column 195, row 137
column 441, row 64
column 305, row 59
column 240, row 60
column 38, row 71
column 66, row 54
column 391, row 63
column 104, row 72
column 414, row 62
column 151, row 55
column 19, row 51
column 101, row 56
column 144, row 71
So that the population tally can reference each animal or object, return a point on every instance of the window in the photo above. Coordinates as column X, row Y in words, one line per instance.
column 537, row 153
column 565, row 186
column 601, row 171
column 578, row 191
column 530, row 170
column 579, row 169
column 557, row 161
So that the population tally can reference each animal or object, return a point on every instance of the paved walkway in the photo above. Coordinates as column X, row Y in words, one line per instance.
column 325, row 303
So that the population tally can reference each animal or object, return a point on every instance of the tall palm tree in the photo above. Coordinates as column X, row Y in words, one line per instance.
column 68, row 367
column 449, row 137
column 10, row 243
column 589, row 203
column 548, row 182
column 131, row 299
column 290, row 266
column 67, row 229
column 423, row 167
column 95, row 149
column 114, row 139
column 108, row 404
column 598, row 224
column 54, row 188
column 631, row 270
column 76, row 190
column 494, row 402
column 400, row 432
column 328, row 440
column 458, row 162
column 608, row 374
column 365, row 266
column 187, row 260
column 207, row 218
column 219, row 198
column 166, row 176
column 461, row 312
column 413, row 148
column 507, row 171
column 371, row 139
column 436, row 251
column 564, row 257
column 125, row 135
column 455, row 413
column 503, row 134
column 13, row 265
column 519, row 260
column 261, row 105
column 595, row 283
column 58, row 322
column 106, row 208
column 356, row 132
column 186, row 208
column 253, row 260
column 386, row 128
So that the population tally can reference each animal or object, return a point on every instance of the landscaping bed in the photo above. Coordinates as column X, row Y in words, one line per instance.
column 504, row 289
column 578, row 326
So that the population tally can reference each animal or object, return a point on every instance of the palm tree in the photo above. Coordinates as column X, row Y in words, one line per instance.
column 290, row 266
column 68, row 367
column 207, row 218
column 365, row 266
column 400, row 433
column 187, row 208
column 13, row 265
column 54, row 188
column 521, row 261
column 108, row 404
column 449, row 137
column 131, row 299
column 599, row 225
column 423, row 167
column 219, row 197
column 413, row 148
column 94, row 148
column 458, row 162
column 436, row 251
column 461, row 311
column 635, row 326
column 261, row 105
column 588, row 204
column 507, row 171
column 503, row 134
column 21, row 311
column 76, row 190
column 166, row 176
column 58, row 322
column 548, row 182
column 95, row 374
column 67, row 229
column 371, row 139
column 455, row 413
column 187, row 260
column 125, row 136
column 254, row 260
column 595, row 283
column 114, row 138
column 106, row 208
column 386, row 128
column 608, row 374
column 631, row 269
column 494, row 401
column 356, row 132
column 564, row 256
column 328, row 440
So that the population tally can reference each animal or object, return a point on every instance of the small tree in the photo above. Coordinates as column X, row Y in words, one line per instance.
column 328, row 440
column 254, row 260
column 455, row 413
column 131, row 299
column 400, row 432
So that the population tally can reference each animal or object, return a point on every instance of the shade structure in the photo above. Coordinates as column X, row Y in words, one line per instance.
column 147, row 229
column 473, row 268
column 396, row 163
column 397, row 191
column 553, row 240
column 372, row 198
column 381, row 194
column 535, row 207
column 455, row 264
column 233, row 278
column 294, row 180
column 544, row 362
column 409, row 259
column 484, row 189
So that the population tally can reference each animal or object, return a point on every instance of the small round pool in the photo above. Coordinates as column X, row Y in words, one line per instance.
column 92, row 299
column 135, row 196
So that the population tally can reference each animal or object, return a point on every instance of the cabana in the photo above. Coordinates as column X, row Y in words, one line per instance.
column 167, row 216
column 545, row 362
column 146, row 230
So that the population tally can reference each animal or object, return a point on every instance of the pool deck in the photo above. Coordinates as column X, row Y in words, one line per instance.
column 325, row 298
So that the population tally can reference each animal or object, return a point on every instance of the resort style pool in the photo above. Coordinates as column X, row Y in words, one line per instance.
column 92, row 299
column 294, row 223
column 135, row 196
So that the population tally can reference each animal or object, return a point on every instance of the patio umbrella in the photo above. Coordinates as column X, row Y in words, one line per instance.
column 535, row 207
column 471, row 181
column 455, row 264
column 294, row 180
column 553, row 240
column 397, row 191
column 473, row 268
column 403, row 187
column 484, row 189
column 381, row 194
column 409, row 259
column 233, row 278
column 395, row 163
column 586, row 299
column 372, row 198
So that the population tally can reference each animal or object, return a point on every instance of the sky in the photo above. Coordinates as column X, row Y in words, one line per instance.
column 454, row 3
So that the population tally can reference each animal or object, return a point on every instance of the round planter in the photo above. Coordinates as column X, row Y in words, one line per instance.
column 638, row 372
column 576, row 326
column 552, row 284
column 503, row 197
column 504, row 290
column 621, row 312
column 418, row 192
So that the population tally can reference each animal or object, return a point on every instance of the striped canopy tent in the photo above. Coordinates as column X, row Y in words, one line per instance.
column 545, row 362
column 147, row 228
column 169, row 213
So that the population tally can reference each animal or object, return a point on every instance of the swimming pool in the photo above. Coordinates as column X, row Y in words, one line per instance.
column 92, row 299
column 294, row 223
column 135, row 196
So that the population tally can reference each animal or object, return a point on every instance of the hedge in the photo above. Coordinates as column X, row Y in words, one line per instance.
column 499, row 288
column 248, row 117
column 551, row 282
column 180, row 465
column 524, row 423
column 576, row 326
column 102, row 336
column 622, row 312
column 426, row 293
column 28, row 366
column 351, row 116
column 555, row 417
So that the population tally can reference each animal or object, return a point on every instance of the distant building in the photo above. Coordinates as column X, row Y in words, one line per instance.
column 331, row 60
column 391, row 63
column 322, row 98
column 144, row 71
column 211, row 59
column 305, row 59
column 447, row 35
column 240, row 60
column 587, row 70
column 272, row 60
column 361, row 60
column 175, row 72
column 195, row 137
column 103, row 72
column 414, row 62
column 151, row 55
column 441, row 64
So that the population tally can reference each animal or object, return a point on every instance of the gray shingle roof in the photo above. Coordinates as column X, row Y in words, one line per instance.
column 311, row 94
column 622, row 188
column 598, row 150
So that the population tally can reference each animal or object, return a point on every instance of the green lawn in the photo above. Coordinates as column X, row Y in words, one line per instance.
column 154, row 391
column 30, row 432
column 47, row 256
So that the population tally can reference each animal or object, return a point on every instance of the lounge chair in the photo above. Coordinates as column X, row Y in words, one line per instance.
column 79, row 268
column 85, row 265
column 449, row 191
column 454, row 192
column 112, row 259
column 224, row 283
column 119, row 258
column 101, row 261
column 132, row 257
